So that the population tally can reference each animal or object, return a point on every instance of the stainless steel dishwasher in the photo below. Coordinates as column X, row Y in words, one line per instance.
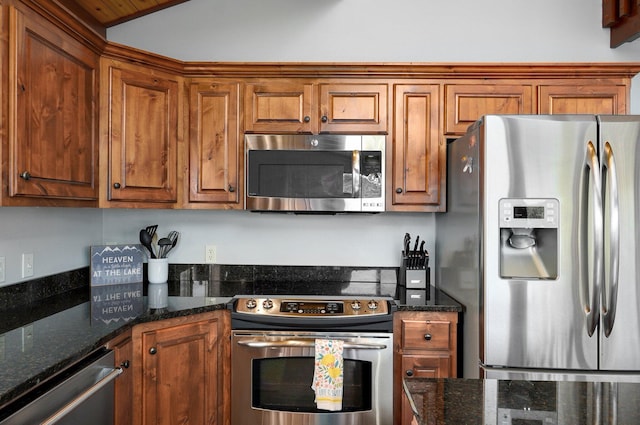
column 81, row 394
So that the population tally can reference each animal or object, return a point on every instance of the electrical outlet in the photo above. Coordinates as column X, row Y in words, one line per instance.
column 210, row 254
column 27, row 265
column 27, row 338
column 2, row 266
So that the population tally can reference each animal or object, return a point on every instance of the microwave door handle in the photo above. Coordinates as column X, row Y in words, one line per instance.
column 610, row 292
column 590, row 294
column 355, row 173
column 292, row 343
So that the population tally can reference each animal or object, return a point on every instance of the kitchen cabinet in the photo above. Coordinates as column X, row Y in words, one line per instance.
column 417, row 153
column 181, row 370
column 52, row 152
column 583, row 98
column 122, row 346
column 466, row 103
column 216, row 166
column 425, row 346
column 302, row 106
column 141, row 116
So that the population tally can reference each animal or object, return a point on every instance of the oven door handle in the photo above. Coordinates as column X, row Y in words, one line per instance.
column 308, row 343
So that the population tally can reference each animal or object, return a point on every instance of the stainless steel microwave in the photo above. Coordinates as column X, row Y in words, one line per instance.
column 315, row 173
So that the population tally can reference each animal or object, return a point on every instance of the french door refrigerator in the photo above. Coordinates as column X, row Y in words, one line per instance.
column 540, row 242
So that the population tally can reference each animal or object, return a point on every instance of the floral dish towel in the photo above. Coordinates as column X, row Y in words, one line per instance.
column 328, row 374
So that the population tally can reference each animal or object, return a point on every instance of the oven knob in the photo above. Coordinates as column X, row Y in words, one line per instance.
column 356, row 305
column 251, row 303
column 373, row 305
column 267, row 304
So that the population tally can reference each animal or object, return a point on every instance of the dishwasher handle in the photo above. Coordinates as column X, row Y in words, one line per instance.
column 69, row 407
column 308, row 343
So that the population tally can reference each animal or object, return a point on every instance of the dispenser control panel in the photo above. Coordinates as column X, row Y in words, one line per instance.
column 529, row 213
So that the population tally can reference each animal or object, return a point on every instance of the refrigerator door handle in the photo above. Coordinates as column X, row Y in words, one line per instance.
column 591, row 285
column 610, row 289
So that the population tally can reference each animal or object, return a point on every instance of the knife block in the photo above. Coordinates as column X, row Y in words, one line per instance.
column 413, row 283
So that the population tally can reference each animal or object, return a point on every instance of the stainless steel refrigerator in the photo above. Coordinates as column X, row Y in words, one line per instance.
column 540, row 242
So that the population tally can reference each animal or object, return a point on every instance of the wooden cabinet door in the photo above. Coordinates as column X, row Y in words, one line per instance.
column 123, row 350
column 582, row 99
column 277, row 107
column 215, row 150
column 182, row 379
column 466, row 103
column 417, row 156
column 53, row 115
column 143, row 135
column 353, row 108
column 422, row 367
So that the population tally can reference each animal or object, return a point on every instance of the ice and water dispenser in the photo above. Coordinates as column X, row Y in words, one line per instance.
column 529, row 238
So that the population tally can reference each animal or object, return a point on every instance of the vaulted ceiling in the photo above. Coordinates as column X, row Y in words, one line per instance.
column 112, row 12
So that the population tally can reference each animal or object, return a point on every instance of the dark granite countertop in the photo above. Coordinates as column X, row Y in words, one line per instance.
column 65, row 327
column 491, row 401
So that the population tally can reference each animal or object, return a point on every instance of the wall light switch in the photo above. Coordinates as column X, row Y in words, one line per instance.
column 27, row 265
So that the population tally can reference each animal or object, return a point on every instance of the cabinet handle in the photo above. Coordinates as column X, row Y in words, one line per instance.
column 409, row 372
column 125, row 364
column 116, row 185
column 324, row 118
column 232, row 189
column 399, row 190
column 26, row 175
column 427, row 337
column 152, row 350
column 307, row 118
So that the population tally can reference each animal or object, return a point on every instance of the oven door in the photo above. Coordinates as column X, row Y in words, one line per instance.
column 272, row 374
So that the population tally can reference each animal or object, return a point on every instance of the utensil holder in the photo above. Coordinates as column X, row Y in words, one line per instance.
column 158, row 270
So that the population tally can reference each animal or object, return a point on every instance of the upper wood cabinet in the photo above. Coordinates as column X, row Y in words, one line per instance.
column 181, row 370
column 417, row 157
column 306, row 107
column 142, row 132
column 52, row 155
column 466, row 103
column 582, row 99
column 215, row 145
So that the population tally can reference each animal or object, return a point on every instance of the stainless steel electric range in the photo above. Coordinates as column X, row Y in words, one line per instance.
column 273, row 353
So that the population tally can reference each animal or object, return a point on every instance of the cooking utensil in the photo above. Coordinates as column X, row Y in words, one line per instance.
column 145, row 240
column 152, row 229
column 163, row 245
column 173, row 236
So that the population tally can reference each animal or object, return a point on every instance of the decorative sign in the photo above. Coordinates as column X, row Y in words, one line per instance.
column 116, row 264
column 116, row 283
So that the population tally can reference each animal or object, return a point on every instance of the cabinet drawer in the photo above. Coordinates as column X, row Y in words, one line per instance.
column 426, row 367
column 426, row 335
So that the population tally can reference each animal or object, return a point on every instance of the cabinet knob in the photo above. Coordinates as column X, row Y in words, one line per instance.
column 324, row 118
column 427, row 337
column 307, row 118
column 125, row 364
column 116, row 185
column 152, row 350
column 25, row 175
column 399, row 190
column 409, row 372
column 232, row 189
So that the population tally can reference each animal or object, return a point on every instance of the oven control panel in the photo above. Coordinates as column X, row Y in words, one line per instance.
column 311, row 307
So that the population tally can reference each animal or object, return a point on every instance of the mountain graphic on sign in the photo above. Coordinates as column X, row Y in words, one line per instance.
column 117, row 248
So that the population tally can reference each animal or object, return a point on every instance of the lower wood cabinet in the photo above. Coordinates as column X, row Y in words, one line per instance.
column 122, row 346
column 180, row 370
column 425, row 346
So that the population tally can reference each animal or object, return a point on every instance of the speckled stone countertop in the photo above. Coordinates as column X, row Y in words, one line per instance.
column 61, row 314
column 491, row 401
